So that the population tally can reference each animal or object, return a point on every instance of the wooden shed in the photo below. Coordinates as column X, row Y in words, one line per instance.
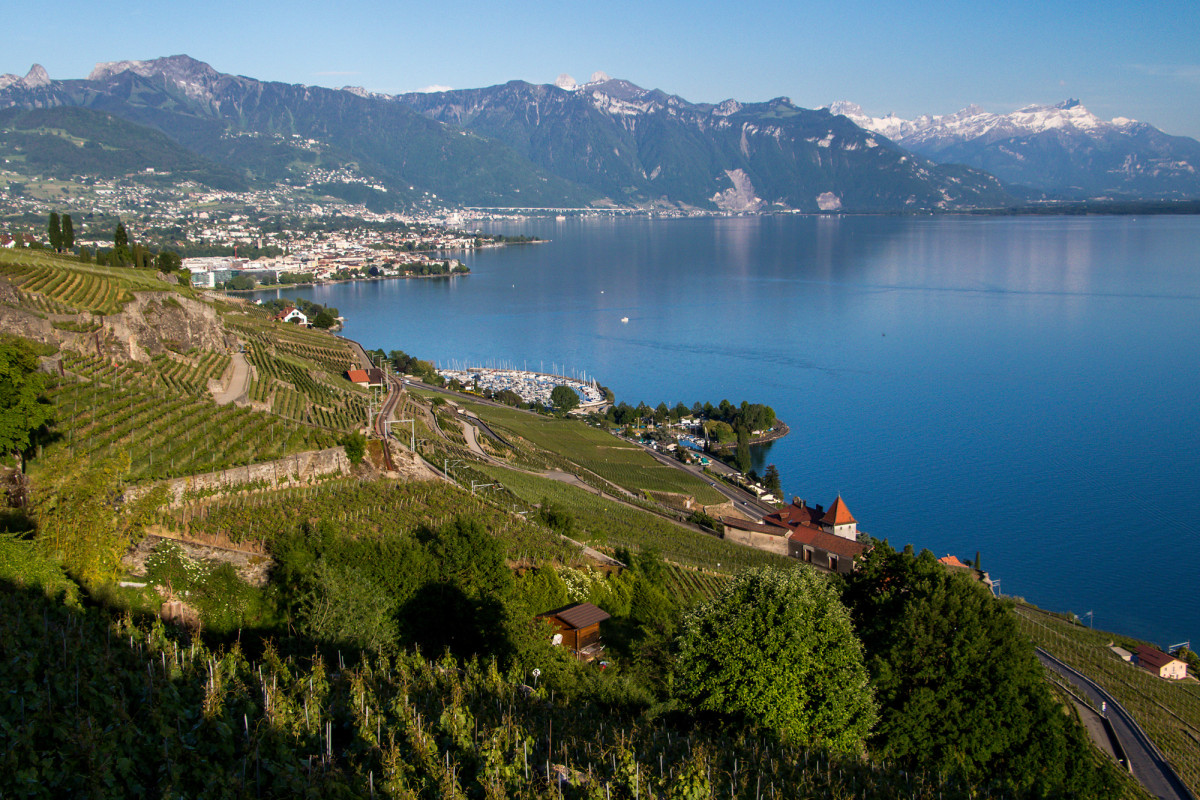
column 577, row 627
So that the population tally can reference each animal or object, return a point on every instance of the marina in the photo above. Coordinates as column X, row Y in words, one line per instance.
column 531, row 387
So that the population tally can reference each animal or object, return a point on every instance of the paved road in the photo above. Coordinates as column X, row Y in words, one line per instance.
column 238, row 384
column 746, row 502
column 1149, row 766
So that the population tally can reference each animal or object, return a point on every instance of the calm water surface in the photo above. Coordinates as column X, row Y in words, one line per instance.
column 1025, row 388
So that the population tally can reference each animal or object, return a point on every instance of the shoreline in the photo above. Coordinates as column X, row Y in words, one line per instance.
column 779, row 430
column 277, row 286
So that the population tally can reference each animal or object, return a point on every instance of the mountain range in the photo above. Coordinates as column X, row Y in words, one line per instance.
column 603, row 143
column 1062, row 149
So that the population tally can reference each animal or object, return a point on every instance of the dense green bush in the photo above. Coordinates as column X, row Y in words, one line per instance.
column 777, row 647
column 959, row 688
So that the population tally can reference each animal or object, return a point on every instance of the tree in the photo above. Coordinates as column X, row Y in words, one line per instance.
column 54, row 232
column 743, row 450
column 240, row 282
column 168, row 261
column 564, row 398
column 463, row 608
column 720, row 432
column 120, row 237
column 24, row 407
column 771, row 480
column 776, row 647
column 68, row 233
column 959, row 688
column 324, row 320
column 84, row 522
column 355, row 445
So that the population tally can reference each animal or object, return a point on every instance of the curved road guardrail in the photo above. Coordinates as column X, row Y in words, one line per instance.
column 1146, row 762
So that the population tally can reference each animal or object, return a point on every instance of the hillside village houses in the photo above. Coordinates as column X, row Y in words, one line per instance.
column 827, row 539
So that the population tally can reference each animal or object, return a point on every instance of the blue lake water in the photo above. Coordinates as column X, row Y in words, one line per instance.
column 1022, row 387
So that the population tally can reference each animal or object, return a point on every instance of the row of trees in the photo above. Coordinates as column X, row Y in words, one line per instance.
column 411, row 365
column 751, row 416
column 60, row 231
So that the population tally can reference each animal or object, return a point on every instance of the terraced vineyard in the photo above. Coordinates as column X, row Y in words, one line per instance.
column 190, row 374
column 692, row 586
column 196, row 722
column 623, row 464
column 292, row 391
column 167, row 432
column 54, row 285
column 603, row 522
column 1169, row 711
column 373, row 508
column 332, row 354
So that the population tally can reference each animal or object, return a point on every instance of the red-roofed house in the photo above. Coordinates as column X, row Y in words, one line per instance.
column 826, row 539
column 1156, row 661
column 953, row 561
column 292, row 314
column 358, row 376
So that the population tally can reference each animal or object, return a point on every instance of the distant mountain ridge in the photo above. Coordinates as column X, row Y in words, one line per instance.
column 640, row 146
column 605, row 143
column 608, row 142
column 1061, row 148
column 248, row 126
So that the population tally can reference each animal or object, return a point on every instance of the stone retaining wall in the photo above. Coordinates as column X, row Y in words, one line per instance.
column 291, row 471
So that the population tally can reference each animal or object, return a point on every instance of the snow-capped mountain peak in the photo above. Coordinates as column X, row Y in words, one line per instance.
column 973, row 122
column 1061, row 147
column 34, row 79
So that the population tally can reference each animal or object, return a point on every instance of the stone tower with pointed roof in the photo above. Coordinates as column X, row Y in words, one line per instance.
column 839, row 521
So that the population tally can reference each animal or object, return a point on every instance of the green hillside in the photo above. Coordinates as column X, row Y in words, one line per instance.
column 68, row 141
column 350, row 621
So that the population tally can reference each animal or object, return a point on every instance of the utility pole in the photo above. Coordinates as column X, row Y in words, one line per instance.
column 413, row 423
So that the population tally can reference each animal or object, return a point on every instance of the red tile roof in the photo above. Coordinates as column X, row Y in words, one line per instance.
column 357, row 375
column 838, row 514
column 1154, row 657
column 798, row 513
column 952, row 561
column 831, row 543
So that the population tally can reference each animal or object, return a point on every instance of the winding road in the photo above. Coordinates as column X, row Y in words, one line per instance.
column 1146, row 762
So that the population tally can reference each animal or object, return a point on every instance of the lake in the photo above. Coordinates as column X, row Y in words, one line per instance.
column 1022, row 387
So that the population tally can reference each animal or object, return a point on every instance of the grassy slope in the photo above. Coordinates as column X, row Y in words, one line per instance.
column 603, row 522
column 124, row 710
column 624, row 464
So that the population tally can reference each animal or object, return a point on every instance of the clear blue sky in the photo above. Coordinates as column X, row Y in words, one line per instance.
column 1140, row 60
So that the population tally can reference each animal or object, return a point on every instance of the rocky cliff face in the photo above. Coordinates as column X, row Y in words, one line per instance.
column 152, row 323
column 155, row 322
